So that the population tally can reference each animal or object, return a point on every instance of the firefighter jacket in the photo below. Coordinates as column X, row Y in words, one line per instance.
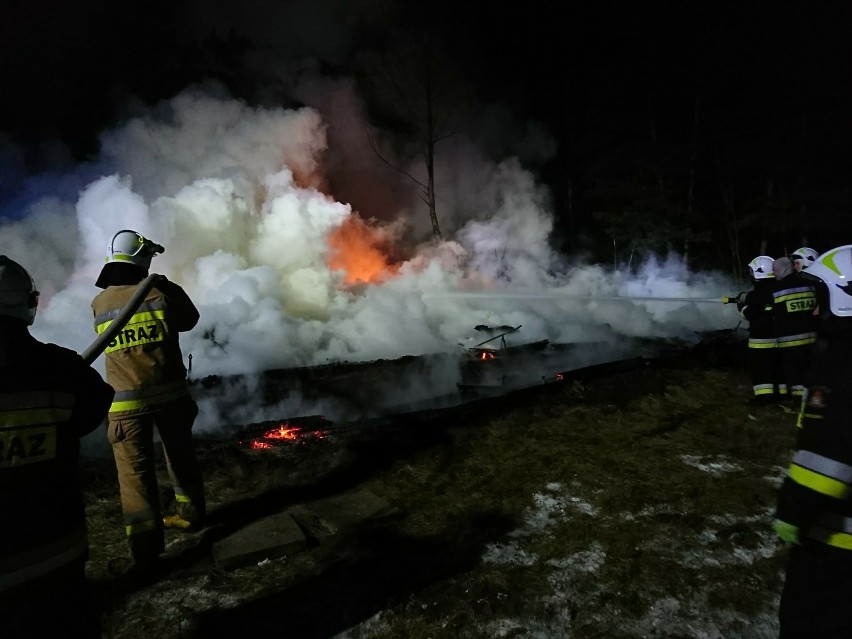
column 144, row 363
column 794, row 306
column 816, row 496
column 757, row 309
column 49, row 399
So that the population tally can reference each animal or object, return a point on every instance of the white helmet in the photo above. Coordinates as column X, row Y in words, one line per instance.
column 807, row 255
column 761, row 267
column 834, row 267
column 18, row 294
column 130, row 246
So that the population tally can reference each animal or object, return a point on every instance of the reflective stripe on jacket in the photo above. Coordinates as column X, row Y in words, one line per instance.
column 144, row 363
column 794, row 303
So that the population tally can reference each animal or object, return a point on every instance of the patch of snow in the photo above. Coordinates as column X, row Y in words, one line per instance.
column 716, row 467
column 508, row 554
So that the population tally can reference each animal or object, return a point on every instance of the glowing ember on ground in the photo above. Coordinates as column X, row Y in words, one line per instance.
column 281, row 434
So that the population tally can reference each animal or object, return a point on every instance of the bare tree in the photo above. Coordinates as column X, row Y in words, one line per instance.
column 413, row 91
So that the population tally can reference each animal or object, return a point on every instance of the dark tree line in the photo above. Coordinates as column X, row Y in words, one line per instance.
column 717, row 132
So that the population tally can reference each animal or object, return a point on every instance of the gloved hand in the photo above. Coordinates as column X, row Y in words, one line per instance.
column 787, row 532
column 741, row 298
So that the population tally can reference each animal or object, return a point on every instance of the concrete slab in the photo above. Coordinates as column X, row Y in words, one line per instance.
column 324, row 518
column 271, row 537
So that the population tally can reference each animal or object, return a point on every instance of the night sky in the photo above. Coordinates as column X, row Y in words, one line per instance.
column 729, row 110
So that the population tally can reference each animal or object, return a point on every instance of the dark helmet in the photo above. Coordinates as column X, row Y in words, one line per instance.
column 18, row 294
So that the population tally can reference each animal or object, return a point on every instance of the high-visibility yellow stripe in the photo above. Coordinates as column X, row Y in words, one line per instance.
column 152, row 397
column 137, row 318
column 798, row 342
column 133, row 404
column 33, row 417
column 140, row 527
column 772, row 344
column 795, row 296
column 839, row 540
column 818, row 483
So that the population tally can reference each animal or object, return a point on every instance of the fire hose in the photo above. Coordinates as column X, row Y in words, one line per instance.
column 97, row 347
column 729, row 299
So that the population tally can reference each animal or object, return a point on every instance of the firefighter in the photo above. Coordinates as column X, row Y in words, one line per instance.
column 814, row 509
column 762, row 357
column 794, row 317
column 803, row 258
column 145, row 366
column 49, row 399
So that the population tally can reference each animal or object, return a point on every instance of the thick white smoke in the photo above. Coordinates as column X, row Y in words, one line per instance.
column 239, row 198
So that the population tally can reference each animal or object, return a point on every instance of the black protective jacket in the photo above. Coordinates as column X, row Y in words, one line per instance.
column 816, row 495
column 49, row 399
column 794, row 310
column 757, row 309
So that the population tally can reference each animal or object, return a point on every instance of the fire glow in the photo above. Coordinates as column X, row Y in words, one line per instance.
column 282, row 434
column 356, row 250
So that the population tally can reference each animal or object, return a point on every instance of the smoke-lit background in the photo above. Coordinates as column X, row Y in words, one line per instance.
column 241, row 139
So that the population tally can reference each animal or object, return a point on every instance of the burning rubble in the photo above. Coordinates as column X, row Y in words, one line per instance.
column 297, row 431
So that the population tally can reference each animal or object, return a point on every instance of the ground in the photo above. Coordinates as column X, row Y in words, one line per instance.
column 633, row 502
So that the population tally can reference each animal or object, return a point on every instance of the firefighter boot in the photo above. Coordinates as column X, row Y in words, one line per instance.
column 134, row 573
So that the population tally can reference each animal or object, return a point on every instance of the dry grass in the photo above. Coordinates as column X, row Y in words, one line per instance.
column 631, row 506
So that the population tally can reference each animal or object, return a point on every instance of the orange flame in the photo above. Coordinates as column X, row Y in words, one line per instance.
column 355, row 249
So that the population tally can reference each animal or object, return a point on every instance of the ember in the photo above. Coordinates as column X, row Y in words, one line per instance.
column 283, row 434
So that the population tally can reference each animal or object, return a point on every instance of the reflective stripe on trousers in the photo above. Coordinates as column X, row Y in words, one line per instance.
column 148, row 397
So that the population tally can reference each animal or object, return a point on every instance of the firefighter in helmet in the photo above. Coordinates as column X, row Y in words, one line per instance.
column 49, row 399
column 145, row 366
column 794, row 317
column 762, row 358
column 803, row 258
column 814, row 510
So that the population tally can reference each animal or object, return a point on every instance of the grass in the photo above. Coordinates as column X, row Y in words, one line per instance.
column 637, row 505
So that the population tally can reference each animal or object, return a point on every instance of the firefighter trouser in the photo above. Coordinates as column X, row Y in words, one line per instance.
column 816, row 594
column 795, row 363
column 132, row 439
column 764, row 367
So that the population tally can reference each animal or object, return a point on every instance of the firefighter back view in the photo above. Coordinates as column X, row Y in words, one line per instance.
column 49, row 399
column 814, row 510
column 145, row 366
column 762, row 358
column 794, row 316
